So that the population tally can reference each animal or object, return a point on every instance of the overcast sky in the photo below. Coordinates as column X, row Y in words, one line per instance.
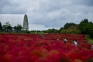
column 45, row 14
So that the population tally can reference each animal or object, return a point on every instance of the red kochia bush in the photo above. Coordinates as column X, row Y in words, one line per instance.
column 33, row 58
column 55, row 56
column 21, row 59
column 43, row 60
column 9, row 57
column 2, row 59
column 35, row 48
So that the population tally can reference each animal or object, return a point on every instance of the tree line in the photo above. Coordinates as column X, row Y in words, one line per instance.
column 8, row 28
column 84, row 27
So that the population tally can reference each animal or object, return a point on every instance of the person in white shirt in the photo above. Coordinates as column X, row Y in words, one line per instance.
column 65, row 40
column 75, row 43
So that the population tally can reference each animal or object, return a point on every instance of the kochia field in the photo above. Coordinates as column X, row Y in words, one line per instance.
column 47, row 48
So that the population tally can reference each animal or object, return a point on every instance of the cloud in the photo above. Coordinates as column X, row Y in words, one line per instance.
column 37, row 27
column 49, row 13
column 13, row 19
column 83, row 2
column 11, row 7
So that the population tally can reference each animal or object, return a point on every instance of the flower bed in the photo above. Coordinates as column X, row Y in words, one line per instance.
column 35, row 48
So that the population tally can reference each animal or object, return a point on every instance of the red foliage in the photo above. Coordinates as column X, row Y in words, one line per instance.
column 35, row 48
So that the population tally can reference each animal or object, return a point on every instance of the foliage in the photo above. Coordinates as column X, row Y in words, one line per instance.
column 59, row 31
column 67, row 25
column 35, row 48
column 15, row 28
column 7, row 27
column 0, row 26
column 71, row 31
column 52, row 30
column 89, row 39
column 18, row 28
column 90, row 30
column 86, row 27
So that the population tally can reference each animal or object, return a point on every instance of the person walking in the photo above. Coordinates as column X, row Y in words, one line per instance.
column 75, row 43
column 91, row 47
column 65, row 40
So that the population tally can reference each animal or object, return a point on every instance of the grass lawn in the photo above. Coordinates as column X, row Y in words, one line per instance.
column 33, row 32
column 90, row 40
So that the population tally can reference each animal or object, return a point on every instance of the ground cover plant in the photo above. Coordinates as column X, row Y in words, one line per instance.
column 44, row 48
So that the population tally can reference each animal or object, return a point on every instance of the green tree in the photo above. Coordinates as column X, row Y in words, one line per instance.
column 90, row 30
column 67, row 25
column 0, row 26
column 59, row 31
column 84, row 26
column 70, row 28
column 19, row 27
column 9, row 28
column 91, row 33
column 15, row 28
column 70, row 31
column 6, row 26
column 49, row 31
column 52, row 30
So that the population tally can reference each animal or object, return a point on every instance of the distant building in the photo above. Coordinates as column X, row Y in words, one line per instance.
column 15, row 19
column 25, row 23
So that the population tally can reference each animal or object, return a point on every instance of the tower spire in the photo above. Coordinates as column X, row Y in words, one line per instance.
column 25, row 22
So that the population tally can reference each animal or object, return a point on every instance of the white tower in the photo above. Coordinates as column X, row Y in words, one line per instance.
column 25, row 23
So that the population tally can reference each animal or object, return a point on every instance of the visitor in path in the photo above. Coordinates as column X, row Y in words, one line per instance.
column 43, row 35
column 75, row 43
column 65, row 40
column 91, row 47
column 36, row 32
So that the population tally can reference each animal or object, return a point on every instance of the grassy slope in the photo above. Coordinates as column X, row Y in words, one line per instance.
column 90, row 40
